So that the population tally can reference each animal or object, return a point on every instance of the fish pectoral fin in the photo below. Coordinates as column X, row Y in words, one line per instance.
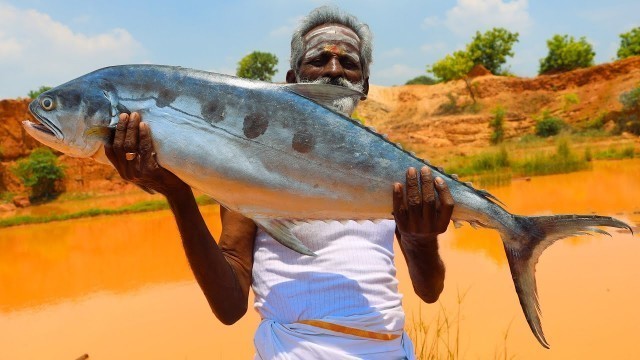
column 280, row 230
column 324, row 94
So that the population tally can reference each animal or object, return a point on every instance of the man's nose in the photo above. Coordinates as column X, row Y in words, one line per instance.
column 333, row 68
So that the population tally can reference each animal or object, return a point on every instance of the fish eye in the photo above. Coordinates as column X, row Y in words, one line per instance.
column 47, row 103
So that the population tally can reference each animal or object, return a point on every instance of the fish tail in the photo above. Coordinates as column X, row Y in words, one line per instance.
column 525, row 244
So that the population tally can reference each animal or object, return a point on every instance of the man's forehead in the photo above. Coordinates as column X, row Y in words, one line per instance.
column 331, row 33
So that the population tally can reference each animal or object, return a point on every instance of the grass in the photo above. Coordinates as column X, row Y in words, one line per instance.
column 143, row 206
column 440, row 338
column 499, row 167
column 615, row 153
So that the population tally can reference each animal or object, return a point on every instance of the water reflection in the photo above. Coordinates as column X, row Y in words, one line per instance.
column 120, row 287
column 611, row 188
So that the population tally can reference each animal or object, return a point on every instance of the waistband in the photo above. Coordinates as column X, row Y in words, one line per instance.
column 350, row 330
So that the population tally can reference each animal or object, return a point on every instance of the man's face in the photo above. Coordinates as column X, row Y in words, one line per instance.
column 331, row 51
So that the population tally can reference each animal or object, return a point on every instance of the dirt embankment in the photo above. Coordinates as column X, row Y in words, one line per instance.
column 81, row 175
column 422, row 117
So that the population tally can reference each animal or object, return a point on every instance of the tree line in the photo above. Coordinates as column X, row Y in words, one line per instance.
column 492, row 48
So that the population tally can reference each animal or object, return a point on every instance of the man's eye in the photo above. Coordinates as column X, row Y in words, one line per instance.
column 348, row 64
column 317, row 62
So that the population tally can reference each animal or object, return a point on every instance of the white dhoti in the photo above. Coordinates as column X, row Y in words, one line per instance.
column 297, row 341
column 341, row 304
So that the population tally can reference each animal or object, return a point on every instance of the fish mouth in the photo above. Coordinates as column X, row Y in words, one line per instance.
column 43, row 125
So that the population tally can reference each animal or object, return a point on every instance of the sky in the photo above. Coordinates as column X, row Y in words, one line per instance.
column 53, row 41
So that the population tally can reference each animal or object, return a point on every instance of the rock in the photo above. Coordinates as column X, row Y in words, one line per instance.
column 478, row 70
column 21, row 201
column 7, row 207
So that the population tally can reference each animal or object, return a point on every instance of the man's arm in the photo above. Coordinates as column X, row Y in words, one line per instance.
column 419, row 220
column 222, row 270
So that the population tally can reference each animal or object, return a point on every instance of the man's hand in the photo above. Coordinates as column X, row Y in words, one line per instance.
column 132, row 155
column 418, row 214
column 419, row 220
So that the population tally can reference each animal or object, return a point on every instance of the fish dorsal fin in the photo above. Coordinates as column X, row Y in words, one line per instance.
column 280, row 230
column 324, row 94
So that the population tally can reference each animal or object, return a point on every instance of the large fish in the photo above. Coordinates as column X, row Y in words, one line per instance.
column 280, row 155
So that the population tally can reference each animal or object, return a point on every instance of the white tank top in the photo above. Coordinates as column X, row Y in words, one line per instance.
column 352, row 280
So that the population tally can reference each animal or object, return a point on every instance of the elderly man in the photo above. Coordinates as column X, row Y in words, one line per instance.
column 344, row 302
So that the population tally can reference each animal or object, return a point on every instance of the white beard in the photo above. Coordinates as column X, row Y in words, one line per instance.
column 346, row 105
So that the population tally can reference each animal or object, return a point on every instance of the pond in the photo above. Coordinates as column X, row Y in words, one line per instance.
column 120, row 287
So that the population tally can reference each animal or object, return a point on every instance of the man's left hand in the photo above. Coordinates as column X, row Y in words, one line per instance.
column 419, row 213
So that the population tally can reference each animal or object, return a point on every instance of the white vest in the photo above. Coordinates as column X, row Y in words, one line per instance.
column 352, row 280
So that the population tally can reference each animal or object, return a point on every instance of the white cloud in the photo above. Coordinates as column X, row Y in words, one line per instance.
column 469, row 16
column 36, row 50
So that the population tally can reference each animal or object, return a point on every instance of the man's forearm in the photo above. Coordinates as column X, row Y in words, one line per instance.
column 426, row 268
column 216, row 276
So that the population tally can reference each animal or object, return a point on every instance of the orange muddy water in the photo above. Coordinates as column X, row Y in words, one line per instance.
column 119, row 287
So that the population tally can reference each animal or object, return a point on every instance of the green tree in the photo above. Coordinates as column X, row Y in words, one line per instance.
column 629, row 43
column 35, row 93
column 39, row 172
column 452, row 67
column 258, row 66
column 565, row 54
column 492, row 48
column 421, row 80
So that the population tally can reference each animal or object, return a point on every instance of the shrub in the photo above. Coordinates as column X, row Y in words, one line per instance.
column 421, row 80
column 629, row 43
column 565, row 54
column 548, row 125
column 35, row 93
column 39, row 172
column 631, row 99
column 570, row 99
column 497, row 124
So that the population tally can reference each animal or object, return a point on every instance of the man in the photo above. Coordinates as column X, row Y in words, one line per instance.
column 343, row 303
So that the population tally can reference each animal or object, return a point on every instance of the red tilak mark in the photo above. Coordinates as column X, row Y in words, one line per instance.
column 334, row 49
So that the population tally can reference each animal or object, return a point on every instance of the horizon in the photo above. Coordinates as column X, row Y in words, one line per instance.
column 49, row 43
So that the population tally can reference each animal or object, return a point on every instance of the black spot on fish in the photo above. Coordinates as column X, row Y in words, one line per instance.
column 123, row 109
column 69, row 98
column 254, row 125
column 166, row 97
column 303, row 141
column 212, row 111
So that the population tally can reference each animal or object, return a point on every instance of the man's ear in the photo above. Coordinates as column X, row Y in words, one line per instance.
column 291, row 77
column 365, row 88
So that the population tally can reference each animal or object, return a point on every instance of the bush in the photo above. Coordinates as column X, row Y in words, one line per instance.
column 497, row 124
column 421, row 80
column 631, row 99
column 35, row 93
column 39, row 172
column 257, row 66
column 565, row 54
column 548, row 125
column 629, row 43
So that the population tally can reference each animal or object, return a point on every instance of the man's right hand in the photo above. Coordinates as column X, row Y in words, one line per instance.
column 133, row 137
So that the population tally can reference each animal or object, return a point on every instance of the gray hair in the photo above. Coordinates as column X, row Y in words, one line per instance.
column 332, row 15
